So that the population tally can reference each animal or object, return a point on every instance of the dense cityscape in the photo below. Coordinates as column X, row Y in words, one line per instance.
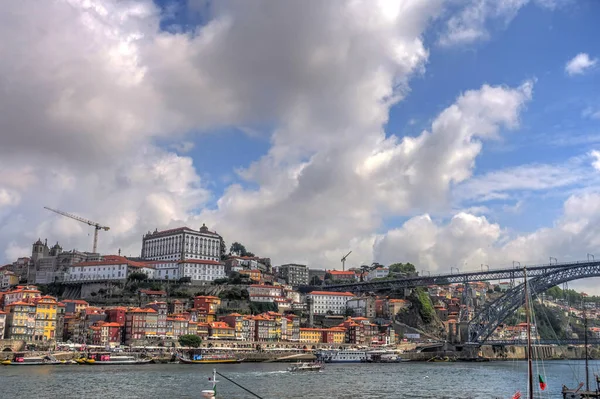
column 186, row 283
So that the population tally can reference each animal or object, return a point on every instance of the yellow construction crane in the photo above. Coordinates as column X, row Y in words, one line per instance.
column 82, row 220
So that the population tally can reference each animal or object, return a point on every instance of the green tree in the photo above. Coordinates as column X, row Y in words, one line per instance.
column 137, row 276
column 184, row 280
column 424, row 305
column 403, row 268
column 190, row 340
column 238, row 249
column 223, row 249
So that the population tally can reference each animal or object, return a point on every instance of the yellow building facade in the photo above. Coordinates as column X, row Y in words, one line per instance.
column 311, row 335
column 45, row 319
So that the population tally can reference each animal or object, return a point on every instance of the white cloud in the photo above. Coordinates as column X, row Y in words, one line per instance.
column 467, row 241
column 501, row 184
column 471, row 21
column 580, row 64
column 595, row 154
column 590, row 112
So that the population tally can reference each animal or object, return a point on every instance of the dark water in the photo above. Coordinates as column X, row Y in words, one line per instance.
column 271, row 381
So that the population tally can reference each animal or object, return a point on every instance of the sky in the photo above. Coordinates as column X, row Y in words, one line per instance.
column 453, row 133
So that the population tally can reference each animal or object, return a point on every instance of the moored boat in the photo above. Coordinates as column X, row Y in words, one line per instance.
column 108, row 359
column 19, row 359
column 343, row 356
column 209, row 359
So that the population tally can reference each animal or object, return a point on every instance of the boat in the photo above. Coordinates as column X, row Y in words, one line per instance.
column 304, row 366
column 529, row 352
column 108, row 359
column 211, row 393
column 578, row 393
column 343, row 356
column 209, row 359
column 19, row 359
column 384, row 357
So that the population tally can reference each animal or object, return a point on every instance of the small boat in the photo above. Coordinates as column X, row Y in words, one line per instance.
column 209, row 359
column 20, row 360
column 211, row 393
column 303, row 366
column 347, row 356
column 108, row 359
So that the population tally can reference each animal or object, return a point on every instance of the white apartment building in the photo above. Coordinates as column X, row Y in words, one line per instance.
column 181, row 244
column 109, row 268
column 201, row 270
column 265, row 293
column 380, row 272
column 165, row 270
column 324, row 301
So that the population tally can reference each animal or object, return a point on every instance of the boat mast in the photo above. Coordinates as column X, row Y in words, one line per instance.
column 529, row 349
column 585, row 340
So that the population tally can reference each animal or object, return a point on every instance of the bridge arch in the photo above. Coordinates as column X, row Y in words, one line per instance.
column 489, row 318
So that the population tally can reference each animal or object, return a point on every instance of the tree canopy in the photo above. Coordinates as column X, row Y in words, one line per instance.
column 403, row 268
column 137, row 276
column 190, row 340
column 239, row 250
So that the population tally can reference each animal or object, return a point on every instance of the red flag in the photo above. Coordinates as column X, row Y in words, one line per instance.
column 542, row 382
column 517, row 395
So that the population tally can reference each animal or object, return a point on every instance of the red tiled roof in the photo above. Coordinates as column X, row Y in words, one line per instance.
column 201, row 261
column 76, row 301
column 330, row 293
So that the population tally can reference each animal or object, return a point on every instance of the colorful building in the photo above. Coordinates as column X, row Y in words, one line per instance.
column 208, row 304
column 221, row 330
column 311, row 335
column 46, row 319
column 20, row 321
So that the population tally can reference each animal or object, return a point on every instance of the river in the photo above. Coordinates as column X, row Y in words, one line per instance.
column 271, row 381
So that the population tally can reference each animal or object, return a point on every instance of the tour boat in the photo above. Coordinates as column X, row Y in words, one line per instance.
column 342, row 356
column 303, row 366
column 21, row 360
column 108, row 359
column 209, row 359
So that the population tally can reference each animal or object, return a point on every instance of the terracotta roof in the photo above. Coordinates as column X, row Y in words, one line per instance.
column 330, row 293
column 20, row 303
column 340, row 273
column 220, row 324
column 201, row 261
column 76, row 301
column 206, row 297
column 113, row 324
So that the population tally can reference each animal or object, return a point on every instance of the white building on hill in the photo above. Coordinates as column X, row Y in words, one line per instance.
column 324, row 301
column 181, row 244
column 110, row 267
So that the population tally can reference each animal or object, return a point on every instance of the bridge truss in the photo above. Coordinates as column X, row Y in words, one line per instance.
column 491, row 315
column 460, row 278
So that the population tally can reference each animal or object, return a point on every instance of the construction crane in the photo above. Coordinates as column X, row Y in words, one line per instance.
column 96, row 226
column 344, row 260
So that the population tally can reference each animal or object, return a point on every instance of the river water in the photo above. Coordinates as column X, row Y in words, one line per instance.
column 271, row 381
